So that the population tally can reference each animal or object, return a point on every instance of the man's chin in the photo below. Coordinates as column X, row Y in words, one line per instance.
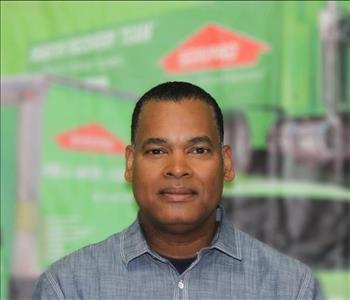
column 178, row 219
column 179, row 224
column 178, row 228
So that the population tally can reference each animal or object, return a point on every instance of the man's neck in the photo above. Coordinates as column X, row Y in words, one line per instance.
column 183, row 244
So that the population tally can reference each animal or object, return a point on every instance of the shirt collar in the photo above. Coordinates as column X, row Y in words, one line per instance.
column 132, row 242
column 226, row 240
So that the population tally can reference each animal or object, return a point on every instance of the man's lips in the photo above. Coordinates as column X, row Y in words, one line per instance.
column 177, row 193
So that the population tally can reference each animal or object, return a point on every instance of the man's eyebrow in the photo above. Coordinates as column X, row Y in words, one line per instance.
column 201, row 139
column 156, row 141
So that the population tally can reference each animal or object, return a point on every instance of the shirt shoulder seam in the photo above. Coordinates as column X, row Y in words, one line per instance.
column 305, row 283
column 54, row 285
column 121, row 244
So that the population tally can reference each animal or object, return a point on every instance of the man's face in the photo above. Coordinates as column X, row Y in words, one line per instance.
column 177, row 165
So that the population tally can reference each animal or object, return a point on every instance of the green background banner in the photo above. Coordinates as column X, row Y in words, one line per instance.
column 131, row 46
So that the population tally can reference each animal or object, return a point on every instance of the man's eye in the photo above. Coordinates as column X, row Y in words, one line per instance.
column 200, row 150
column 155, row 151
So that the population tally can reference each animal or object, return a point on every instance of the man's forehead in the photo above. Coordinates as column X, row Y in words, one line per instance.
column 169, row 107
column 188, row 117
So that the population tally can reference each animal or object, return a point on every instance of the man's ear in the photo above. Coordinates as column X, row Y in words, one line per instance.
column 229, row 172
column 129, row 160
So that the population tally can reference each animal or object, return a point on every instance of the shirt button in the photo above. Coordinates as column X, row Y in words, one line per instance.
column 180, row 284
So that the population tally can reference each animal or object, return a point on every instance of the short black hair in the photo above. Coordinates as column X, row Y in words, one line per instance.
column 177, row 91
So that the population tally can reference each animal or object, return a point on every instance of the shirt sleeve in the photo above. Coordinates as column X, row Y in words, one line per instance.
column 47, row 288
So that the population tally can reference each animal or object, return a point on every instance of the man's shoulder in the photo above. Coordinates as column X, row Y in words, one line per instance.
column 276, row 270
column 250, row 250
column 100, row 255
column 263, row 272
column 78, row 270
column 257, row 252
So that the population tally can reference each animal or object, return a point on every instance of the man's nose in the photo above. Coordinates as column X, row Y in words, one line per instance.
column 177, row 166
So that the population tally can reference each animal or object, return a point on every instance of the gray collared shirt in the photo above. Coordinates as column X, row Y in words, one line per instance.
column 234, row 266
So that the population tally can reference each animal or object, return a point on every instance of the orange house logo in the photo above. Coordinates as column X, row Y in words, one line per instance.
column 91, row 138
column 213, row 47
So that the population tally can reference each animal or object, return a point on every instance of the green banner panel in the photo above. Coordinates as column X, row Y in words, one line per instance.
column 83, row 194
column 237, row 61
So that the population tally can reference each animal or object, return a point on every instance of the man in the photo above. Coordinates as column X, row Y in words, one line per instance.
column 181, row 246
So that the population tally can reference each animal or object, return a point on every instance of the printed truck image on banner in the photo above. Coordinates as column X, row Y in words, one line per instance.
column 214, row 47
